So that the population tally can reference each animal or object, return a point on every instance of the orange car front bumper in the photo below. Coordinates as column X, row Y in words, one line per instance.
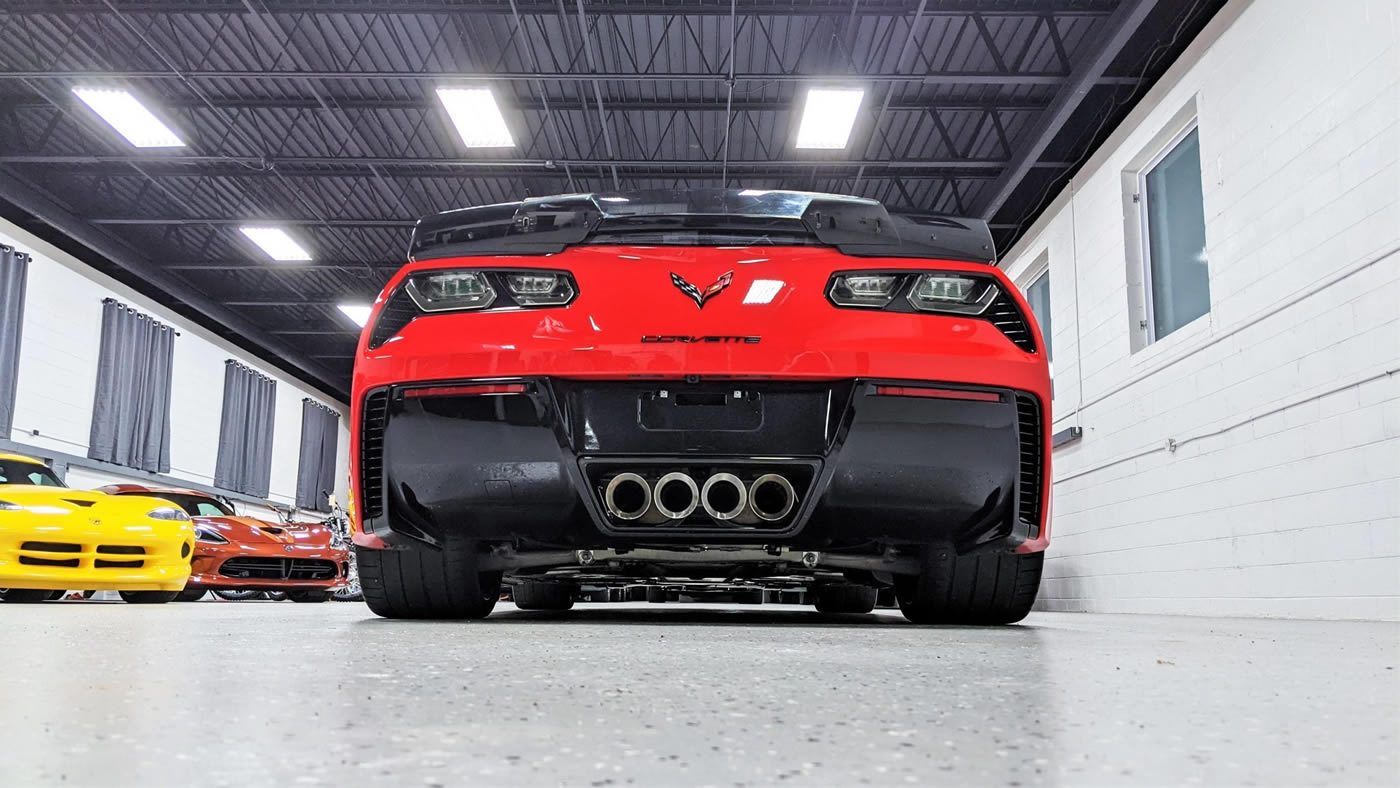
column 270, row 567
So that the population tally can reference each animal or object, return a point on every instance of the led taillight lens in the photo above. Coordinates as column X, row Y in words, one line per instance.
column 450, row 291
column 540, row 289
column 963, row 295
column 872, row 290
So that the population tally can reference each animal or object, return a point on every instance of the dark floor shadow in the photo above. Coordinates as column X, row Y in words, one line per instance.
column 751, row 616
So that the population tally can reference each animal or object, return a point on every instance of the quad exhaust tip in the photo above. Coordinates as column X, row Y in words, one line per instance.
column 628, row 496
column 771, row 497
column 724, row 496
column 676, row 495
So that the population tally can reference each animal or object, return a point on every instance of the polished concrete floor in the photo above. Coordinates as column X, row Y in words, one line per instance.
column 265, row 693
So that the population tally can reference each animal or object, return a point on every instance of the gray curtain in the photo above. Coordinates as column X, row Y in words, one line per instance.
column 13, row 269
column 320, row 431
column 131, row 413
column 244, row 463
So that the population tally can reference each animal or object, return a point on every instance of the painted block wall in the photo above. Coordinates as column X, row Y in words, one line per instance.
column 1249, row 463
column 58, row 377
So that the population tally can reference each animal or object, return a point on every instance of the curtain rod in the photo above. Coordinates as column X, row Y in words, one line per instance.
column 141, row 315
column 250, row 370
column 322, row 406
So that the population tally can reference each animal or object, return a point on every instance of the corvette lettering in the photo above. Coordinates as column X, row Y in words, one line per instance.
column 680, row 338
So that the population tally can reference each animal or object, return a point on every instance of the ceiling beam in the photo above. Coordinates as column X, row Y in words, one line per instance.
column 352, row 103
column 315, row 164
column 936, row 78
column 44, row 207
column 1117, row 29
column 946, row 8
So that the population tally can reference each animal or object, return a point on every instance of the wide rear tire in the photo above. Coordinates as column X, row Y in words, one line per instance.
column 149, row 597
column 844, row 598
column 977, row 588
column 544, row 596
column 427, row 582
column 191, row 595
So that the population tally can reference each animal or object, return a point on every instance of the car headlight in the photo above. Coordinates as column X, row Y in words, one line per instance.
column 447, row 291
column 168, row 513
column 209, row 535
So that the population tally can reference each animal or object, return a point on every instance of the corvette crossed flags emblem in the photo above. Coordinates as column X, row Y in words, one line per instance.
column 696, row 294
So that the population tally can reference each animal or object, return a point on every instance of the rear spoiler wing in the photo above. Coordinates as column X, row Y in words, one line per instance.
column 549, row 225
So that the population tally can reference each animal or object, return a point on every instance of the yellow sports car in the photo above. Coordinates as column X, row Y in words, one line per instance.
column 53, row 539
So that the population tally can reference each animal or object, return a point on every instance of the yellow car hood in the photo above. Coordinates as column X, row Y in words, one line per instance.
column 84, row 503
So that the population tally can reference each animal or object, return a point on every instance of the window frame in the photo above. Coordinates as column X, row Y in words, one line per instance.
column 1145, row 228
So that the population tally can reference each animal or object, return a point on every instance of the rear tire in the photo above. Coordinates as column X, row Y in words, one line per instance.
column 544, row 596
column 309, row 596
column 977, row 588
column 844, row 598
column 27, row 596
column 149, row 597
column 190, row 595
column 427, row 582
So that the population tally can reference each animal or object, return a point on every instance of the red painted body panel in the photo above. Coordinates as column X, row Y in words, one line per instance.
column 626, row 293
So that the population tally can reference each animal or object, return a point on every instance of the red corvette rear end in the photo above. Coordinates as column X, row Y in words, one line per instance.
column 769, row 388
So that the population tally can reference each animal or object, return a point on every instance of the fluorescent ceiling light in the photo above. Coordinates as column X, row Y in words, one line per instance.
column 477, row 117
column 129, row 117
column 359, row 313
column 763, row 291
column 278, row 245
column 828, row 117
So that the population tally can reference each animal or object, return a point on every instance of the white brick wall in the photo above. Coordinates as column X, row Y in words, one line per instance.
column 1282, row 497
column 58, row 376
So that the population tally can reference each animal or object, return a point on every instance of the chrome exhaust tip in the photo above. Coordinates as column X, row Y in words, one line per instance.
column 724, row 496
column 772, row 497
column 675, row 495
column 627, row 496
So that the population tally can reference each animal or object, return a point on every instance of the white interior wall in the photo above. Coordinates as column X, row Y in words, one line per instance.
column 58, row 377
column 1282, row 496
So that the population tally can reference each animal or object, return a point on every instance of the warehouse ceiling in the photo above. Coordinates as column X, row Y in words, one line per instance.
column 320, row 116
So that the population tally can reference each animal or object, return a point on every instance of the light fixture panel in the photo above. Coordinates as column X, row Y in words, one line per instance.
column 477, row 116
column 278, row 245
column 129, row 117
column 358, row 313
column 828, row 117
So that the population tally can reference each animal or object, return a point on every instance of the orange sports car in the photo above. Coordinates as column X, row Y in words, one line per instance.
column 247, row 554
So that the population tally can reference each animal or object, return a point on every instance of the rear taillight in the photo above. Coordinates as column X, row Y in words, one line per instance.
column 475, row 390
column 937, row 393
column 470, row 290
column 937, row 292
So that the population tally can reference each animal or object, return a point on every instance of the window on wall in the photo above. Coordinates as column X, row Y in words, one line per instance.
column 1038, row 294
column 131, row 408
column 14, row 269
column 1176, row 276
column 244, row 462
